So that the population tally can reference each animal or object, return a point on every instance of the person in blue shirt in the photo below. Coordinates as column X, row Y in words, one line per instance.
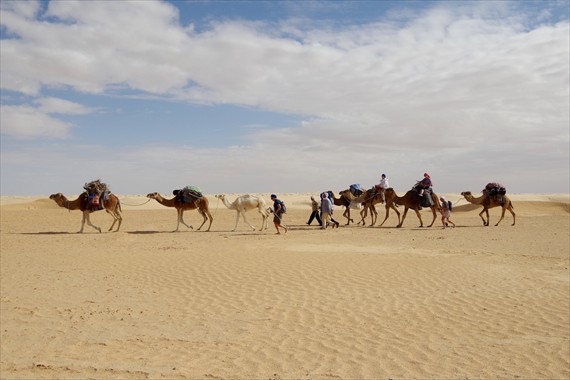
column 278, row 211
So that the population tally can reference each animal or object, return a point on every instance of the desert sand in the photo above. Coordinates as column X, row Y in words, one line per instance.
column 348, row 303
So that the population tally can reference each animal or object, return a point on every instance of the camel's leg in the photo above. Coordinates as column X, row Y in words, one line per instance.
column 420, row 217
column 482, row 218
column 373, row 215
column 115, row 211
column 388, row 214
column 182, row 220
column 246, row 222
column 396, row 211
column 119, row 218
column 179, row 213
column 403, row 217
column 207, row 212
column 115, row 219
column 204, row 218
column 363, row 215
column 506, row 207
column 512, row 213
column 434, row 215
column 207, row 216
column 88, row 220
column 346, row 214
column 83, row 221
column 237, row 220
column 264, row 220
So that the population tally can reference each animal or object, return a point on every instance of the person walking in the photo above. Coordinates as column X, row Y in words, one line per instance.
column 278, row 211
column 315, row 212
column 329, row 196
column 445, row 211
column 327, row 209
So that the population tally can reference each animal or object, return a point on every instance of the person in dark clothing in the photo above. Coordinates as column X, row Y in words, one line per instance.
column 278, row 211
column 315, row 212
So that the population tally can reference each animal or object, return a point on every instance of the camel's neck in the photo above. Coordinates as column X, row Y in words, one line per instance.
column 365, row 196
column 472, row 199
column 71, row 205
column 164, row 201
column 393, row 197
column 227, row 203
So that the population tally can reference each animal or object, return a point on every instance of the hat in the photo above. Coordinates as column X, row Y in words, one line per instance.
column 426, row 175
column 273, row 196
column 442, row 198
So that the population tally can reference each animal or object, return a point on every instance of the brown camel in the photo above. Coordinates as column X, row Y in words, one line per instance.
column 201, row 204
column 490, row 202
column 343, row 201
column 366, row 199
column 112, row 205
column 372, row 198
column 411, row 200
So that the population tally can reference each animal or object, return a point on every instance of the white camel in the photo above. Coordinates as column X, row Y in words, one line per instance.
column 245, row 203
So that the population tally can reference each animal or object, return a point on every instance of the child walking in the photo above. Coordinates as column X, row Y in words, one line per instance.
column 445, row 211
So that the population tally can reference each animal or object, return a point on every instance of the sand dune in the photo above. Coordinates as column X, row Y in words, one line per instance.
column 354, row 302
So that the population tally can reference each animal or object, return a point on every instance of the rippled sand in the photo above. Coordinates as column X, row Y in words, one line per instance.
column 347, row 303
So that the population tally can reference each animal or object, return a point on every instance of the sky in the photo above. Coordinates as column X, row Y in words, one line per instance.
column 283, row 96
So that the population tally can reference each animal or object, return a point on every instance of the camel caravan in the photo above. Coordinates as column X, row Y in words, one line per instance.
column 97, row 196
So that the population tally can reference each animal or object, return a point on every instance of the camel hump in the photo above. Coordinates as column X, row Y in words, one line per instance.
column 96, row 186
column 188, row 194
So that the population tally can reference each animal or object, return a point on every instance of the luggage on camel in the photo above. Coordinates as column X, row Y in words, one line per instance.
column 97, row 193
column 496, row 192
column 188, row 194
column 356, row 189
column 426, row 200
column 494, row 188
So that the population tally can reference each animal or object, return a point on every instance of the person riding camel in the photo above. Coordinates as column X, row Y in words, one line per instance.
column 382, row 186
column 424, row 184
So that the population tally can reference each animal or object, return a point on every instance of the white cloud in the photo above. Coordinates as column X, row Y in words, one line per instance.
column 23, row 122
column 455, row 87
column 62, row 106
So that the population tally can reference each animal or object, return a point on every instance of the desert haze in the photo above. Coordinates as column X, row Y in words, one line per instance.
column 348, row 303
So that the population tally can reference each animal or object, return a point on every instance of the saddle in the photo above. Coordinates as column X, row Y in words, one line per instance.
column 188, row 194
column 95, row 200
column 493, row 189
column 356, row 189
column 97, row 193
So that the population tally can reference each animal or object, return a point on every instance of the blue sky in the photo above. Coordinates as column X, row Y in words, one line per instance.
column 292, row 96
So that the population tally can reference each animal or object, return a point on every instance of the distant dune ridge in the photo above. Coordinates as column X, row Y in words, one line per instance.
column 354, row 302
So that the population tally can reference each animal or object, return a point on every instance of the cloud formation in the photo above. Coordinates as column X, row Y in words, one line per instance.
column 473, row 92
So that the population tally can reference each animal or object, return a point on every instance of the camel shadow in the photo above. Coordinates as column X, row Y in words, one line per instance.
column 50, row 233
column 151, row 232
column 148, row 232
column 252, row 233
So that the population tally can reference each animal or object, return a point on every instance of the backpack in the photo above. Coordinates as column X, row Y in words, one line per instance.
column 449, row 205
column 283, row 207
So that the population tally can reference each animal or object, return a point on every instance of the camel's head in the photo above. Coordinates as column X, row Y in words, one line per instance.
column 466, row 193
column 152, row 195
column 220, row 196
column 346, row 193
column 56, row 197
